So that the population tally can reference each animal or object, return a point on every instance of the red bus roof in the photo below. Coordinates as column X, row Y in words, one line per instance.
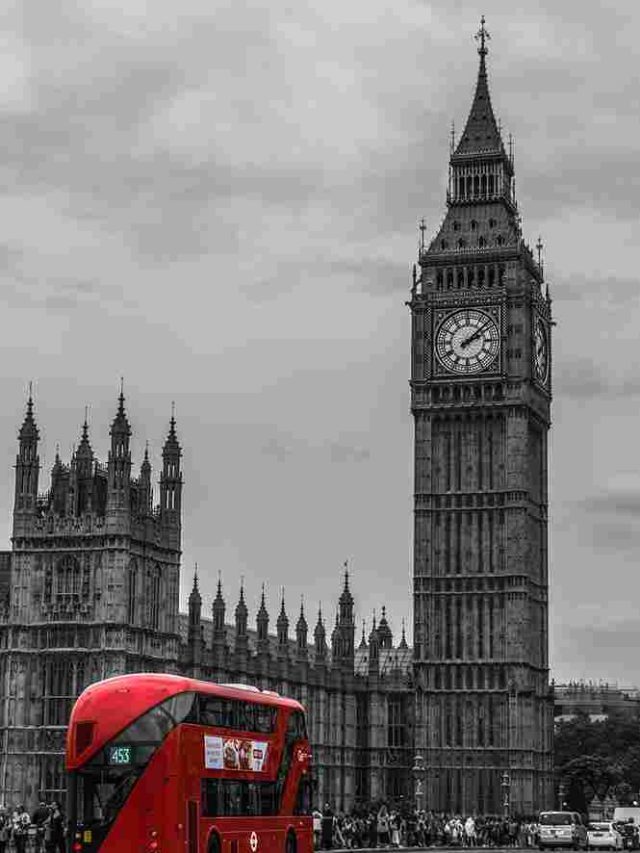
column 111, row 705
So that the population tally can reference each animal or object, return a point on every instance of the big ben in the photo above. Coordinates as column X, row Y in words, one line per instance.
column 480, row 397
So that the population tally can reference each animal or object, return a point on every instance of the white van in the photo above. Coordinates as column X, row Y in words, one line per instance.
column 626, row 814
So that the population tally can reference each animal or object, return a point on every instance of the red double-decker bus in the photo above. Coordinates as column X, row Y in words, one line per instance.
column 166, row 764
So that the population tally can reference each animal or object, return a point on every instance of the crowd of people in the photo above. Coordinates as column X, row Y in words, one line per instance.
column 388, row 827
column 41, row 832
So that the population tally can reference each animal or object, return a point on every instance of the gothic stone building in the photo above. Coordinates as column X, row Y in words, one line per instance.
column 480, row 397
column 90, row 588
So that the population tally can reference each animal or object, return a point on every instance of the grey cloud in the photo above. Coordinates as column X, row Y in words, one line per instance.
column 583, row 379
column 348, row 453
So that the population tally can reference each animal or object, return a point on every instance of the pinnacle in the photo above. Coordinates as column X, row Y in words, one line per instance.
column 481, row 132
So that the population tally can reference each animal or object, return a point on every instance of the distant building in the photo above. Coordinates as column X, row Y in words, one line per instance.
column 596, row 699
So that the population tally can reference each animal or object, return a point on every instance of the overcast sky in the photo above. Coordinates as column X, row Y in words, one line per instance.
column 218, row 201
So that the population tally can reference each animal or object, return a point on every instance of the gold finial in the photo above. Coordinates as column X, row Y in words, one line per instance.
column 482, row 36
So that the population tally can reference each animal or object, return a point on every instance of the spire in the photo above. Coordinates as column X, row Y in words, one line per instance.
column 120, row 427
column 84, row 453
column 195, row 590
column 385, row 636
column 320, row 638
column 363, row 641
column 262, row 625
column 403, row 641
column 481, row 131
column 301, row 632
column 29, row 430
column 301, row 624
column 218, row 610
column 283, row 626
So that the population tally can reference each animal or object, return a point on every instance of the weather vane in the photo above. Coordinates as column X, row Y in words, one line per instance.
column 482, row 35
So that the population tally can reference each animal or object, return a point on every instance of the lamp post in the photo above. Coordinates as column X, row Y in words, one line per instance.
column 418, row 770
column 506, row 787
column 561, row 795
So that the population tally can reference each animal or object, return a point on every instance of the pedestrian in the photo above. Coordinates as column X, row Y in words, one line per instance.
column 5, row 829
column 54, row 832
column 20, row 823
column 327, row 827
column 38, row 819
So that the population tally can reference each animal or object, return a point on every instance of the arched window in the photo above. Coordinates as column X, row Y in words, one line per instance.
column 67, row 578
column 132, row 592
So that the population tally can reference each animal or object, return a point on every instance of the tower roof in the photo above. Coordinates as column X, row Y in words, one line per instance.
column 145, row 468
column 319, row 630
column 346, row 597
column 262, row 614
column 241, row 607
column 481, row 133
column 218, row 600
column 172, row 445
column 283, row 620
column 84, row 448
column 120, row 425
column 195, row 596
column 29, row 430
column 301, row 624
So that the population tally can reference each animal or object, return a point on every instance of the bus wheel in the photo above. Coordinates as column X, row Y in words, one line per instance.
column 292, row 845
column 214, row 843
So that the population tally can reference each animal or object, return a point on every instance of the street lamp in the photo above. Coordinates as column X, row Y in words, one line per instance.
column 561, row 795
column 418, row 770
column 506, row 787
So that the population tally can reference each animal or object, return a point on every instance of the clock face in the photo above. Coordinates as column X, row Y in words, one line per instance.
column 541, row 352
column 467, row 341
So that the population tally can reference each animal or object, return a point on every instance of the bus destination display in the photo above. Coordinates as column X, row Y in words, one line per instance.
column 119, row 755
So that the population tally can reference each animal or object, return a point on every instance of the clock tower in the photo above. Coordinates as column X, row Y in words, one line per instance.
column 480, row 397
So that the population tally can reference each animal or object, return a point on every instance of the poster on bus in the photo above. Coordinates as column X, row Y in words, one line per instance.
column 234, row 753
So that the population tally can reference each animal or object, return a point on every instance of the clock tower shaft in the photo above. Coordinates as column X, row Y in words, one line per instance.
column 480, row 397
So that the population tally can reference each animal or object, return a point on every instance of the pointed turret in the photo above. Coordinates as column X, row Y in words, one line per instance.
column 119, row 462
column 241, row 614
column 363, row 639
column 301, row 634
column 344, row 647
column 146, row 489
column 262, row 626
column 482, row 215
column 374, row 648
column 282, row 626
column 481, row 133
column 27, row 468
column 403, row 641
column 385, row 637
column 217, row 613
column 171, row 486
column 320, row 639
column 195, row 623
column 83, row 472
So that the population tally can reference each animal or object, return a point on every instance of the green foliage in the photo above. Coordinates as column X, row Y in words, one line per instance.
column 598, row 758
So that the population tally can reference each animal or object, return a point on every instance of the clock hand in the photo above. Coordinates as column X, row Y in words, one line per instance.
column 476, row 334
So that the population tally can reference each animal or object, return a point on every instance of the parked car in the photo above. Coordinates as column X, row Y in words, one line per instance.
column 561, row 829
column 630, row 835
column 604, row 835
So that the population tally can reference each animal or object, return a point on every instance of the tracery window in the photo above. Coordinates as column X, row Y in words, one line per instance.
column 68, row 579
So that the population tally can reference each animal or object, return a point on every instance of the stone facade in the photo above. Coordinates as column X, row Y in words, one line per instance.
column 480, row 396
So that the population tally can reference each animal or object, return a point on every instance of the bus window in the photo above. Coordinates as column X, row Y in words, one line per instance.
column 235, row 797
column 265, row 719
column 296, row 728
